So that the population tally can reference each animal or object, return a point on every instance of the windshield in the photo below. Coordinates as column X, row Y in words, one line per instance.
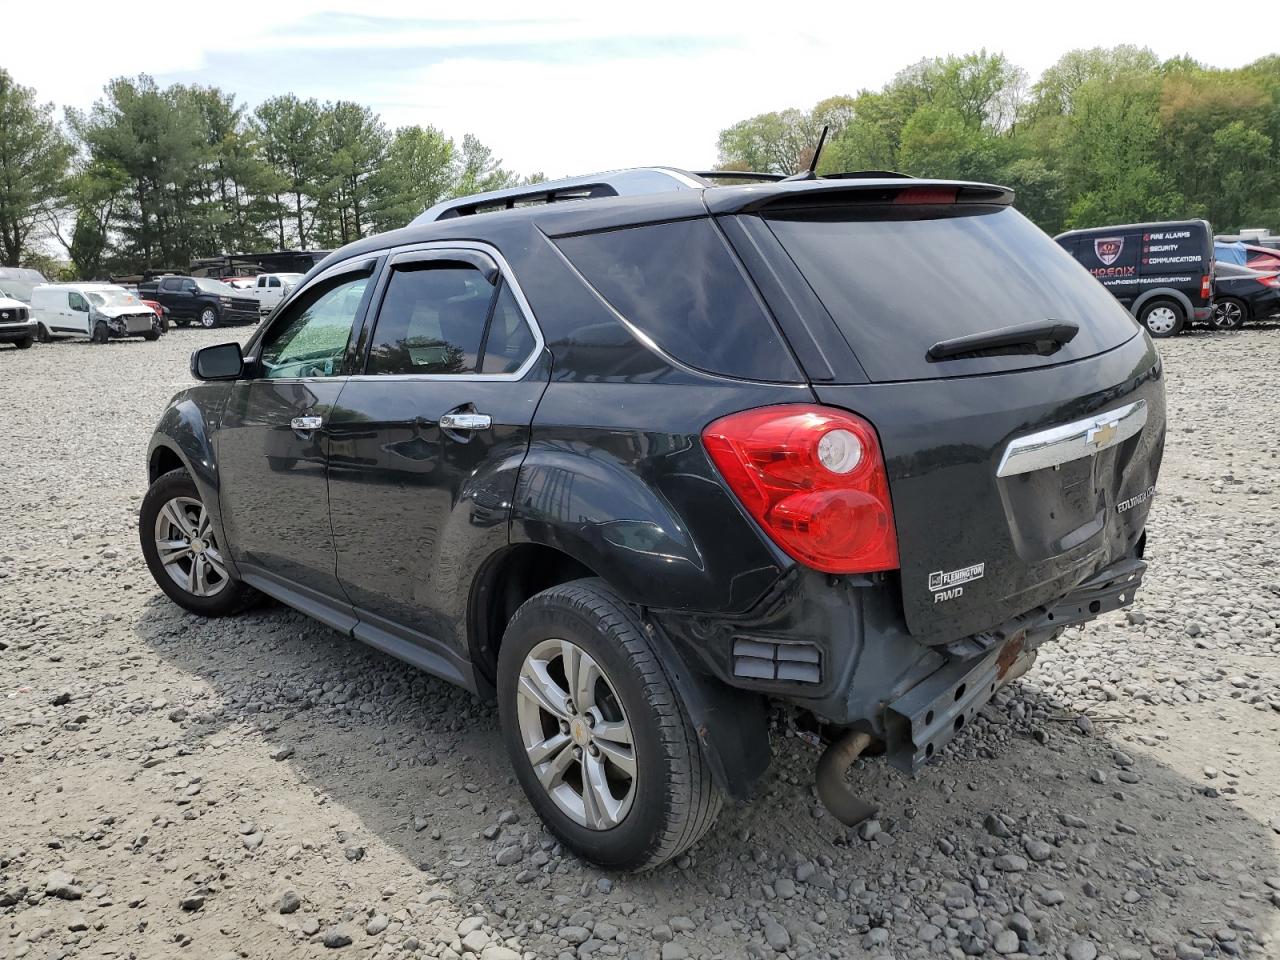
column 213, row 286
column 114, row 297
column 17, row 289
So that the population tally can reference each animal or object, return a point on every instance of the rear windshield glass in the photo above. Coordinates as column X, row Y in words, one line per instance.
column 896, row 282
column 681, row 286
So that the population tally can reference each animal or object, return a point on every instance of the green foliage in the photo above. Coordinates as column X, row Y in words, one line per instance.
column 160, row 177
column 1106, row 135
column 33, row 161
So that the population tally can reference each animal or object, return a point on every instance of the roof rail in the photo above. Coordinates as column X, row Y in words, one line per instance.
column 614, row 183
column 739, row 175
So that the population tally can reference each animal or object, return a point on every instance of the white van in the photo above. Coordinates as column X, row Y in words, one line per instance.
column 271, row 288
column 99, row 311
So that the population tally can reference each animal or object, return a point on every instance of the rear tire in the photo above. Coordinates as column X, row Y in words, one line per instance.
column 172, row 512
column 1229, row 314
column 583, row 630
column 1162, row 318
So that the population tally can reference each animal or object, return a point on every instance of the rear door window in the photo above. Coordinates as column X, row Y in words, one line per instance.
column 987, row 268
column 679, row 284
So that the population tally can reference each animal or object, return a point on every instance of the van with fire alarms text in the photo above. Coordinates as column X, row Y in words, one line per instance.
column 1162, row 272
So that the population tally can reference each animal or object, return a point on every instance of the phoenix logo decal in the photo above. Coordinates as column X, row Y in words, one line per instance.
column 1108, row 249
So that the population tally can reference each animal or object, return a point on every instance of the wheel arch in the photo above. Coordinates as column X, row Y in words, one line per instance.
column 731, row 724
column 1165, row 293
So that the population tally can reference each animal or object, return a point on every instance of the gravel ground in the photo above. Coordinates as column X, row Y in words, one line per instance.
column 262, row 787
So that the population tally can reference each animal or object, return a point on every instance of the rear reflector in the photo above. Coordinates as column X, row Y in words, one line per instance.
column 814, row 478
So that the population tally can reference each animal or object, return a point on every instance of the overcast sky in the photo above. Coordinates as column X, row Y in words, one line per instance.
column 576, row 87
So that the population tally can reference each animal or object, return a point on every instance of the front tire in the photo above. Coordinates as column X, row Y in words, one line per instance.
column 208, row 318
column 1229, row 314
column 100, row 333
column 182, row 550
column 24, row 343
column 42, row 334
column 1162, row 318
column 598, row 736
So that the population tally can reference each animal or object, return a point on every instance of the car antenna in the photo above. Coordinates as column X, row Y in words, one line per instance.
column 812, row 172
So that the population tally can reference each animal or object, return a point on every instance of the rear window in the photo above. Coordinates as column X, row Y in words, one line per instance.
column 679, row 284
column 896, row 282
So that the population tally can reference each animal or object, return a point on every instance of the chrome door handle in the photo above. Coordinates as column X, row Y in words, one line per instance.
column 307, row 423
column 466, row 421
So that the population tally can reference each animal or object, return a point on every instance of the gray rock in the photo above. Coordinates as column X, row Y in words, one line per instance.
column 1038, row 850
column 775, row 934
column 377, row 924
column 1010, row 863
column 1006, row 941
column 62, row 885
column 574, row 935
column 673, row 951
column 784, row 887
column 289, row 901
column 1082, row 950
column 336, row 937
column 283, row 753
column 508, row 856
column 995, row 826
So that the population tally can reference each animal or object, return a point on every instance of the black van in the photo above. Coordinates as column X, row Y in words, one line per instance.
column 1163, row 272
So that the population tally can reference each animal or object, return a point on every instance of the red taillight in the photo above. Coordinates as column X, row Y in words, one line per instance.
column 815, row 479
column 926, row 195
column 1206, row 287
column 1272, row 281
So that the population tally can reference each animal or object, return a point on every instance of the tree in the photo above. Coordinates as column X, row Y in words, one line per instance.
column 33, row 164
column 288, row 130
column 418, row 171
column 479, row 171
column 354, row 145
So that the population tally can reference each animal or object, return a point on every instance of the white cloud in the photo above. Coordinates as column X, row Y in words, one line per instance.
column 546, row 103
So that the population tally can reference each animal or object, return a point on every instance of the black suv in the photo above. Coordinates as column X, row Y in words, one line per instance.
column 201, row 300
column 641, row 464
column 1163, row 272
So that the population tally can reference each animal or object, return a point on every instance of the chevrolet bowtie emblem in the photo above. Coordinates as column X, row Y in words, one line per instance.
column 1102, row 434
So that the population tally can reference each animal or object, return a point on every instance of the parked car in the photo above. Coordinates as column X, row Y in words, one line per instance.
column 243, row 284
column 1243, row 294
column 161, row 312
column 200, row 300
column 271, row 288
column 17, row 283
column 16, row 325
column 637, row 465
column 1162, row 272
column 1261, row 258
column 99, row 311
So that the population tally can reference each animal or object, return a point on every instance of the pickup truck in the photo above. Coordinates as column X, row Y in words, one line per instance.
column 271, row 288
column 200, row 300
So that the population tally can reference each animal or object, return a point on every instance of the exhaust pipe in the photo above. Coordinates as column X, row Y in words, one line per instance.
column 829, row 779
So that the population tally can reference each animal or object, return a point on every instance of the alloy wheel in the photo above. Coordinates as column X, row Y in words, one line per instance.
column 208, row 318
column 1227, row 315
column 188, row 549
column 1162, row 320
column 576, row 734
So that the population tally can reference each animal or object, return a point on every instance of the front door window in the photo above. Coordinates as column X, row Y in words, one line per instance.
column 310, row 339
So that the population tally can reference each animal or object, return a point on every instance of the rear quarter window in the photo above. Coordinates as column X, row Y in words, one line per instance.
column 682, row 288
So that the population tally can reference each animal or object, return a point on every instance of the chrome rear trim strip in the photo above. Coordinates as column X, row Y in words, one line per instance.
column 1073, row 441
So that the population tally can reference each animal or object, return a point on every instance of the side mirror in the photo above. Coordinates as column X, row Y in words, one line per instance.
column 222, row 361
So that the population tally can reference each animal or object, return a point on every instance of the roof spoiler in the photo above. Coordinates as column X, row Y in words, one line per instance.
column 825, row 192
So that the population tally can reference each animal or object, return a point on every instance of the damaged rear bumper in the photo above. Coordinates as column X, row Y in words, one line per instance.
column 922, row 720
